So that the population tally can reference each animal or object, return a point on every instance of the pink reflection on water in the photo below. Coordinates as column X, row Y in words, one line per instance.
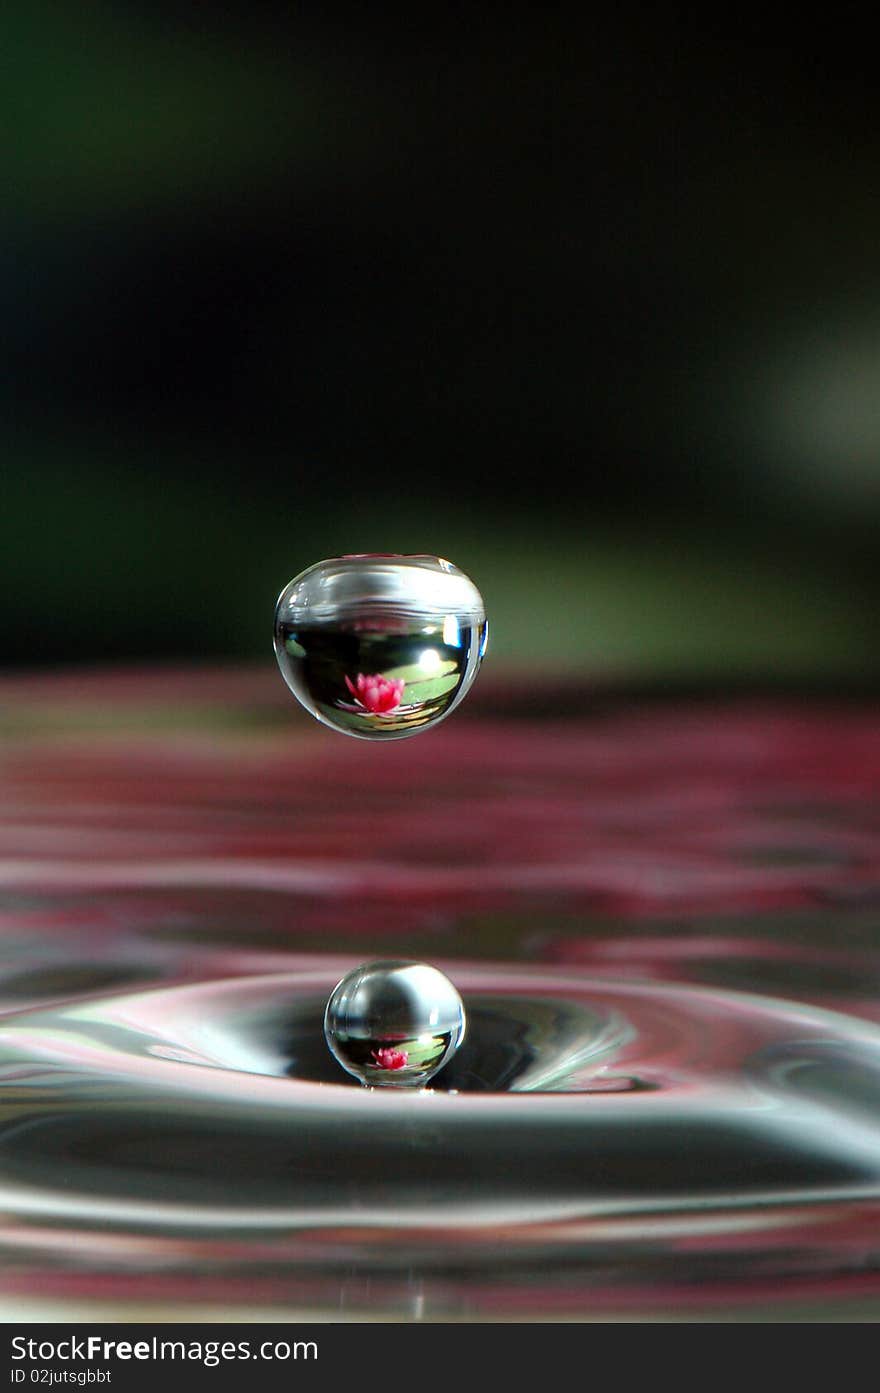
column 733, row 822
column 736, row 810
column 188, row 827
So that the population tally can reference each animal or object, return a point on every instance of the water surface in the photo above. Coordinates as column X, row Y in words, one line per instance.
column 662, row 917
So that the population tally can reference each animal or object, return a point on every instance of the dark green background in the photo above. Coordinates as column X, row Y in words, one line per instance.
column 589, row 305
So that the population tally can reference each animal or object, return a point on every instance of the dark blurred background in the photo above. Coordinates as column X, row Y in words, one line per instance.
column 589, row 304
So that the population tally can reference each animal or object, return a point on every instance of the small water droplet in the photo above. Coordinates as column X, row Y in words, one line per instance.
column 394, row 1024
column 380, row 647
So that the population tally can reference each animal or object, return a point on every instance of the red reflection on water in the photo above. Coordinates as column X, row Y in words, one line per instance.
column 194, row 826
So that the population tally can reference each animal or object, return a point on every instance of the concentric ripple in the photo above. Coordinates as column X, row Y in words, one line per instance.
column 662, row 922
column 215, row 1109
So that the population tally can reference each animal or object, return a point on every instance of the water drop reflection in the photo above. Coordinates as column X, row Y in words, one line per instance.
column 380, row 647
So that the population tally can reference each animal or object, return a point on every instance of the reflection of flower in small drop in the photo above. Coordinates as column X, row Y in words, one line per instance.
column 377, row 694
column 389, row 1058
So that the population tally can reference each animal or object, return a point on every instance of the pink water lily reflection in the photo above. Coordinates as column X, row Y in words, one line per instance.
column 389, row 1057
column 376, row 694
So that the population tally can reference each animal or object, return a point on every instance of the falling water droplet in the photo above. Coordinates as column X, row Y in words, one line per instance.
column 380, row 647
column 393, row 1024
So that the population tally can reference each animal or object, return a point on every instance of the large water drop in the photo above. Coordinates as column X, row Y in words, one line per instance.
column 380, row 647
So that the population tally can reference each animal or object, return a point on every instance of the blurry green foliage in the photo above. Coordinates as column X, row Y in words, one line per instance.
column 580, row 307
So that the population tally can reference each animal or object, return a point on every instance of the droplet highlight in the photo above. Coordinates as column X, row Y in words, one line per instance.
column 394, row 1024
column 380, row 647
